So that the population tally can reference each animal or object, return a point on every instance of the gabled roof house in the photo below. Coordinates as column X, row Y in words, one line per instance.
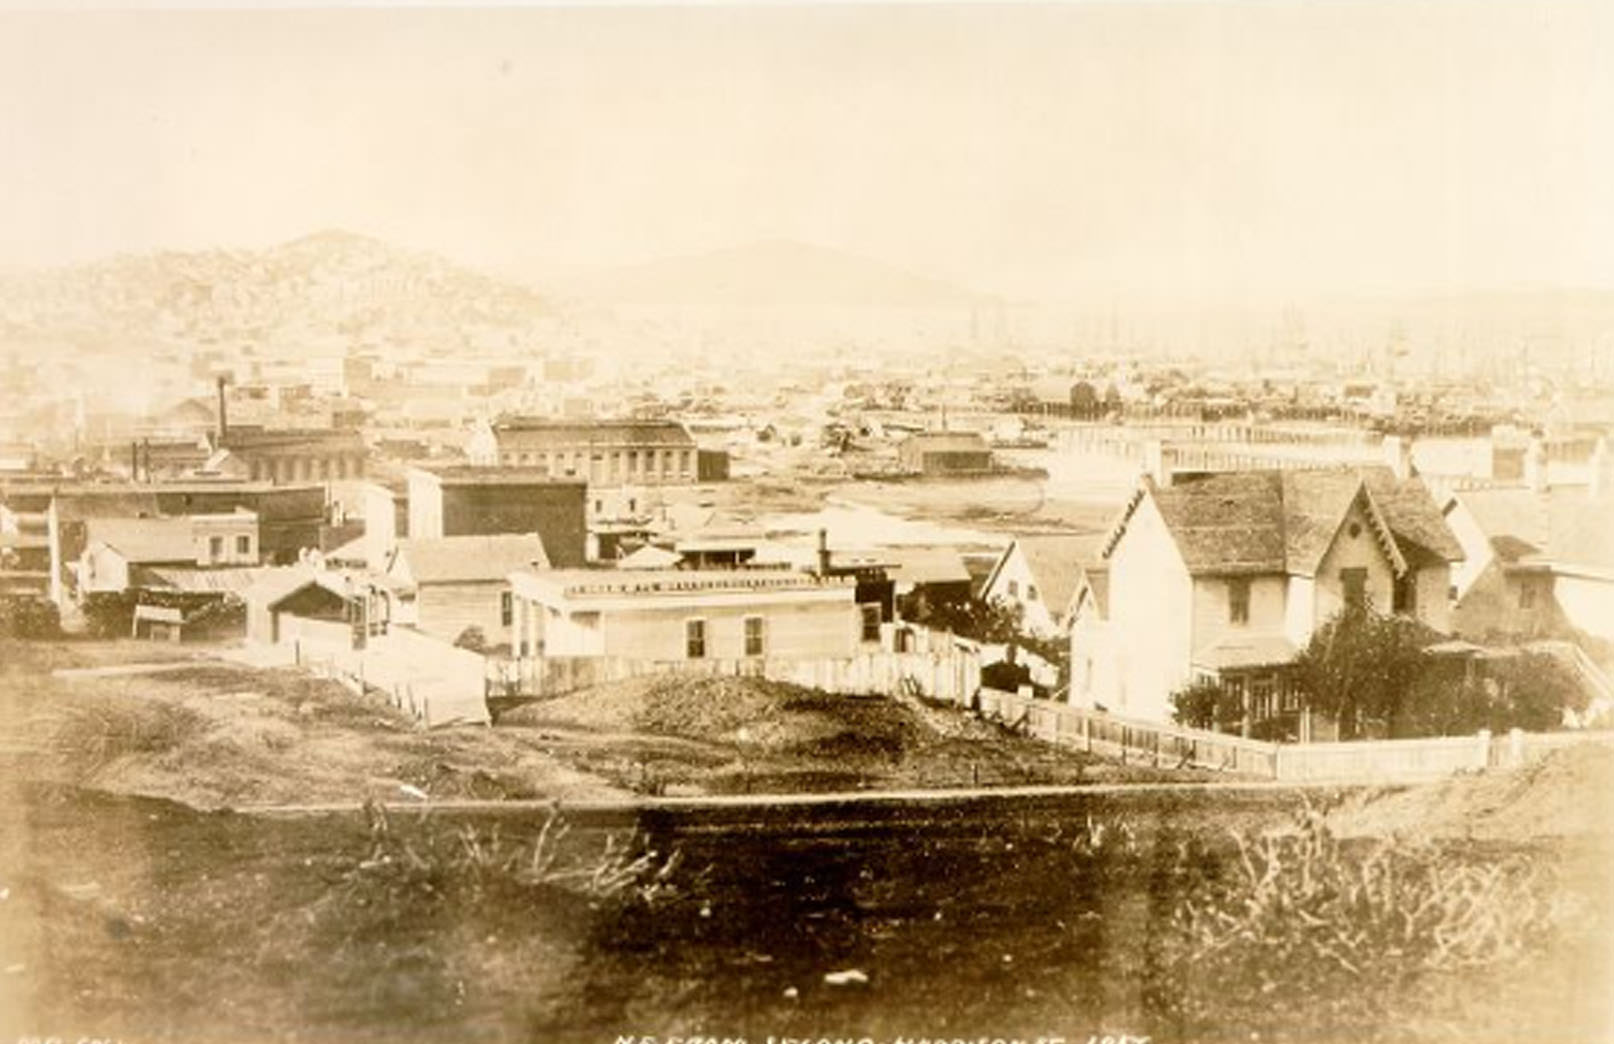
column 1226, row 576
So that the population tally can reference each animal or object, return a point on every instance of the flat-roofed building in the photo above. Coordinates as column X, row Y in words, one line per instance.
column 602, row 453
column 466, row 500
column 656, row 614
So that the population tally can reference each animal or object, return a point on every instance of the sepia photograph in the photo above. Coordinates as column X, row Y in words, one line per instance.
column 807, row 522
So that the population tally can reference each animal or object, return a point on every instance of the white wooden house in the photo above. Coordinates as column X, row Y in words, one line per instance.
column 1227, row 576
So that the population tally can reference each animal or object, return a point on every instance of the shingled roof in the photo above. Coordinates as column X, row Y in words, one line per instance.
column 1283, row 521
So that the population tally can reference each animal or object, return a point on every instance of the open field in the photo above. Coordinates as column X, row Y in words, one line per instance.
column 213, row 733
column 1123, row 911
column 149, row 921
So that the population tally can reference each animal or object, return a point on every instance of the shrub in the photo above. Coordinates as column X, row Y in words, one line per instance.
column 29, row 617
column 1300, row 912
column 1205, row 703
column 431, row 861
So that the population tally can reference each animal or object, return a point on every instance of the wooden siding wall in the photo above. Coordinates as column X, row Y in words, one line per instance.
column 446, row 610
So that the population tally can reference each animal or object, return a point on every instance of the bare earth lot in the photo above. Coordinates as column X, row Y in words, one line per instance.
column 1121, row 912
column 212, row 733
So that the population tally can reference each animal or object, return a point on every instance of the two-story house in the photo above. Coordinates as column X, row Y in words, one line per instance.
column 124, row 553
column 1038, row 574
column 1227, row 576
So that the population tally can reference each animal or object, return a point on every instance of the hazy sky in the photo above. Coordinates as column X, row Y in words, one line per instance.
column 1194, row 150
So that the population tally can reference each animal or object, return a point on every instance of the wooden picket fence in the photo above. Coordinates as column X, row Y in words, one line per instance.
column 1174, row 746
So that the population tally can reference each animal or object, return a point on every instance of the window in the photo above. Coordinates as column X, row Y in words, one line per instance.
column 695, row 639
column 1404, row 599
column 1031, row 592
column 507, row 608
column 1263, row 690
column 871, row 621
column 1527, row 592
column 1354, row 582
column 754, row 635
column 243, row 545
column 215, row 547
column 1014, row 589
column 1238, row 600
column 599, row 506
column 1288, row 696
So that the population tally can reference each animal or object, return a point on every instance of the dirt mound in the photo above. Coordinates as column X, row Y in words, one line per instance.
column 752, row 712
column 1564, row 794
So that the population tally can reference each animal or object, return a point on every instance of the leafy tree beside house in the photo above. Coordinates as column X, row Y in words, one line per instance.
column 1362, row 668
column 1205, row 703
column 1373, row 675
column 996, row 622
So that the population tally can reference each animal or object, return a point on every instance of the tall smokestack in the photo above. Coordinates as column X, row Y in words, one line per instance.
column 823, row 552
column 134, row 461
column 224, row 416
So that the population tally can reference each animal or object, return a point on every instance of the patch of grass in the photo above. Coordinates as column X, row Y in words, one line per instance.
column 91, row 732
column 1298, row 914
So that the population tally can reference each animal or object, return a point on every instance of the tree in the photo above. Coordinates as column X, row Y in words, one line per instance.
column 473, row 639
column 1361, row 667
column 997, row 622
column 1533, row 691
column 1364, row 669
column 1205, row 703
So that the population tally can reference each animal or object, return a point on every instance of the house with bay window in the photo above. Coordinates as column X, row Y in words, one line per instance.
column 1226, row 576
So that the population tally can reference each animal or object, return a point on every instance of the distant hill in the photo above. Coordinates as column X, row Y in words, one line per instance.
column 330, row 286
column 770, row 275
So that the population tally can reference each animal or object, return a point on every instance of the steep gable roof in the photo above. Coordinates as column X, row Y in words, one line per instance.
column 1413, row 515
column 1227, row 523
column 1096, row 580
column 1284, row 521
column 1055, row 561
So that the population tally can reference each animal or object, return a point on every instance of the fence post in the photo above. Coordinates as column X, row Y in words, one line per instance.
column 1484, row 749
